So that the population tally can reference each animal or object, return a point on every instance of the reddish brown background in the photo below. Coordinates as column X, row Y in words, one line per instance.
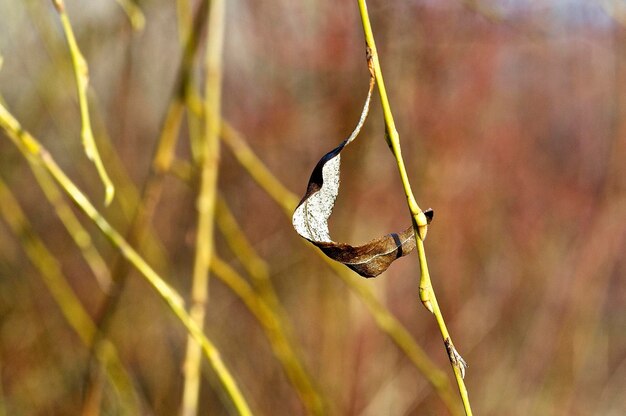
column 512, row 118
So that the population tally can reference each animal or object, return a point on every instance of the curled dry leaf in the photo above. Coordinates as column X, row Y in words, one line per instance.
column 310, row 218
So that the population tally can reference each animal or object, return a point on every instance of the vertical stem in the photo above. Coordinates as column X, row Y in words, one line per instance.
column 206, row 201
column 81, row 73
column 420, row 222
column 263, row 302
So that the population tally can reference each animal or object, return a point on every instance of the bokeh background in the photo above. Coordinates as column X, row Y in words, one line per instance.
column 512, row 117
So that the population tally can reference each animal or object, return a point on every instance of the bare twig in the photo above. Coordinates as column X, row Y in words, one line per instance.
column 420, row 223
column 81, row 72
column 205, row 204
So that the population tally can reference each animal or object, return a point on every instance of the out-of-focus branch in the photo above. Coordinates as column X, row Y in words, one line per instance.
column 33, row 149
column 64, row 296
column 257, row 169
column 274, row 328
column 264, row 303
column 81, row 73
column 205, row 203
column 75, row 229
column 420, row 223
column 161, row 164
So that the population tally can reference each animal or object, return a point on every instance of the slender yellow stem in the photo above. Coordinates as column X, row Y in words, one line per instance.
column 264, row 303
column 138, row 211
column 75, row 229
column 286, row 199
column 274, row 329
column 209, row 164
column 255, row 265
column 28, row 144
column 184, row 16
column 81, row 72
column 420, row 224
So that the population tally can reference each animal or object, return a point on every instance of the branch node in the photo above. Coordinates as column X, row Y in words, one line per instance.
column 455, row 358
column 425, row 298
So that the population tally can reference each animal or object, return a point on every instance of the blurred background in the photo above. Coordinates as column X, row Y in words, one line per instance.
column 512, row 118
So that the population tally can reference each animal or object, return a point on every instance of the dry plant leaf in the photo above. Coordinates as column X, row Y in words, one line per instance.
column 310, row 218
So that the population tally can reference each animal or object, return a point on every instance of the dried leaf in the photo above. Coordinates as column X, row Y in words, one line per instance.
column 310, row 218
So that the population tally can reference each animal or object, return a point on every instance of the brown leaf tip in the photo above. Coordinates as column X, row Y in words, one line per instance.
column 429, row 213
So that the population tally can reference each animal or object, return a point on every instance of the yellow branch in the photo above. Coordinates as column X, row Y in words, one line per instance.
column 81, row 72
column 75, row 229
column 274, row 330
column 64, row 296
column 209, row 165
column 420, row 224
column 264, row 298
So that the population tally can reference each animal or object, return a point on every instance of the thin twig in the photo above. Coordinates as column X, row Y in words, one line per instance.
column 420, row 223
column 75, row 229
column 205, row 204
column 145, row 204
column 81, row 72
column 64, row 296
column 274, row 318
column 274, row 329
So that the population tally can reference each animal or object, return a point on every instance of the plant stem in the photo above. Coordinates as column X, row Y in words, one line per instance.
column 81, row 72
column 74, row 228
column 420, row 223
column 206, row 200
column 263, row 302
column 276, row 333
